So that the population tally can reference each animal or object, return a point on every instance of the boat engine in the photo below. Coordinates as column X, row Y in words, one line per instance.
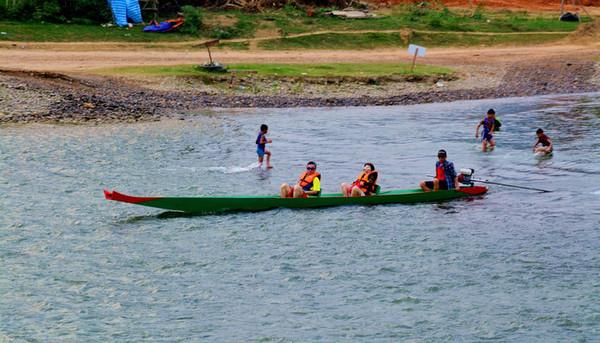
column 465, row 176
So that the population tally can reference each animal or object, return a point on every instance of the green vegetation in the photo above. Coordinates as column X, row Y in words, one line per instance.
column 76, row 11
column 389, row 40
column 289, row 70
column 336, row 41
column 466, row 39
column 244, row 26
column 193, row 20
column 289, row 20
column 49, row 32
column 414, row 17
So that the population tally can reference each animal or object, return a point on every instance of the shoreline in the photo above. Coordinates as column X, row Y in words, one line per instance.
column 34, row 97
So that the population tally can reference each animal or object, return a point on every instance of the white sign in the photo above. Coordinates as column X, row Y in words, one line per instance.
column 412, row 48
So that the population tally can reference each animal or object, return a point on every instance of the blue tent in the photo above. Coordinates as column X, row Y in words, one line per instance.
column 125, row 9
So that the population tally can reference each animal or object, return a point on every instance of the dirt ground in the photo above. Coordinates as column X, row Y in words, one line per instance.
column 62, row 59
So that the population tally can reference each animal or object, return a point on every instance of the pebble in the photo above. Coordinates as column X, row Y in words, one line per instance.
column 38, row 97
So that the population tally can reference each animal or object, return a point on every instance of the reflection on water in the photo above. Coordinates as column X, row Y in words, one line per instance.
column 513, row 265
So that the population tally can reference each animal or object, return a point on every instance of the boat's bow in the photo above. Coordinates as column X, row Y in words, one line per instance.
column 116, row 196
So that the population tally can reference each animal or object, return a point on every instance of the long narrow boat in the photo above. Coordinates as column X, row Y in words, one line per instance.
column 207, row 205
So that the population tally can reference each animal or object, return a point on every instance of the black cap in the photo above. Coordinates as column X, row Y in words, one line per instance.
column 442, row 153
column 491, row 111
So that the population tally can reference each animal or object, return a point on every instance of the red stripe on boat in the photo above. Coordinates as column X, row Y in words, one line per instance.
column 116, row 196
column 474, row 190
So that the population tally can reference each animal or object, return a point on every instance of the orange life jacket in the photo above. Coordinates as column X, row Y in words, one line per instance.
column 365, row 184
column 306, row 180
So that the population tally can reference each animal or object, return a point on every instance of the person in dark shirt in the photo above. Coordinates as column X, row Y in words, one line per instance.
column 445, row 175
column 487, row 134
column 545, row 141
column 261, row 142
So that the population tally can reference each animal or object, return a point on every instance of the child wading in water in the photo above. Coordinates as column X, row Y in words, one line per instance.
column 261, row 142
column 489, row 124
column 544, row 140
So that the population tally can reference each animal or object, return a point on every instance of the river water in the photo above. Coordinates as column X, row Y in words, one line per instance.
column 513, row 265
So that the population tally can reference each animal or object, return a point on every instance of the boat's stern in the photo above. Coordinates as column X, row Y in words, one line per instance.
column 473, row 190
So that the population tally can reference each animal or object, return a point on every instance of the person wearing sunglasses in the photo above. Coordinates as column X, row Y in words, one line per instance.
column 365, row 185
column 445, row 175
column 308, row 184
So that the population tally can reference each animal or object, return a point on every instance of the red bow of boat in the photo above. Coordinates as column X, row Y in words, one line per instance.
column 116, row 196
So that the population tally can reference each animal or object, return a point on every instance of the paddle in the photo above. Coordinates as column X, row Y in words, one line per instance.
column 507, row 185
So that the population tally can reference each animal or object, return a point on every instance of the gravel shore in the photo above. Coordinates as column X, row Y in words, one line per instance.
column 51, row 97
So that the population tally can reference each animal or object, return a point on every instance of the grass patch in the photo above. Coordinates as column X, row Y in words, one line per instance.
column 234, row 45
column 289, row 70
column 293, row 21
column 414, row 17
column 354, row 41
column 335, row 41
column 462, row 39
column 48, row 32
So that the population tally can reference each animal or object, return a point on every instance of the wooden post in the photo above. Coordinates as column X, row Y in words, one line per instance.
column 207, row 45
column 209, row 55
column 414, row 60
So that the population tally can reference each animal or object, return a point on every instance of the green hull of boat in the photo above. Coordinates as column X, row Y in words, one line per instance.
column 207, row 205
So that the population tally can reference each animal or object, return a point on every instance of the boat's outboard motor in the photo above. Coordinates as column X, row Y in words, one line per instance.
column 465, row 177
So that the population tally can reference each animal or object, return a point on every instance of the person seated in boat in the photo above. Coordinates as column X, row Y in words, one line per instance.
column 544, row 140
column 445, row 175
column 308, row 184
column 365, row 185
column 487, row 135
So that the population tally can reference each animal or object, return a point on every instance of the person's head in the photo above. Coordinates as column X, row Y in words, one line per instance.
column 539, row 132
column 264, row 128
column 442, row 155
column 368, row 167
column 491, row 113
column 311, row 167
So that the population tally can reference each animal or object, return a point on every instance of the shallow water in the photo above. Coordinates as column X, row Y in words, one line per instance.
column 513, row 265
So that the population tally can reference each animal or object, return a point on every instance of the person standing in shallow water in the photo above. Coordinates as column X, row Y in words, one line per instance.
column 487, row 135
column 445, row 175
column 261, row 142
column 544, row 140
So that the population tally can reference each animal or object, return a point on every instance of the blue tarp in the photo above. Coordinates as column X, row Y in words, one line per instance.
column 125, row 9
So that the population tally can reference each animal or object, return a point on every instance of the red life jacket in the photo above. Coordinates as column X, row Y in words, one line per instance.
column 306, row 180
column 440, row 174
column 365, row 184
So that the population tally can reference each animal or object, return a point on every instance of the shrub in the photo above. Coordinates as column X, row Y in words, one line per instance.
column 55, row 10
column 21, row 10
column 478, row 14
column 193, row 20
column 223, row 32
column 48, row 11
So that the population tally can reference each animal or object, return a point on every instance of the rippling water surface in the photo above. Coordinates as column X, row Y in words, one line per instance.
column 513, row 265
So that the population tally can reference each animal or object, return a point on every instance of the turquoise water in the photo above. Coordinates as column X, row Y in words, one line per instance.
column 513, row 265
